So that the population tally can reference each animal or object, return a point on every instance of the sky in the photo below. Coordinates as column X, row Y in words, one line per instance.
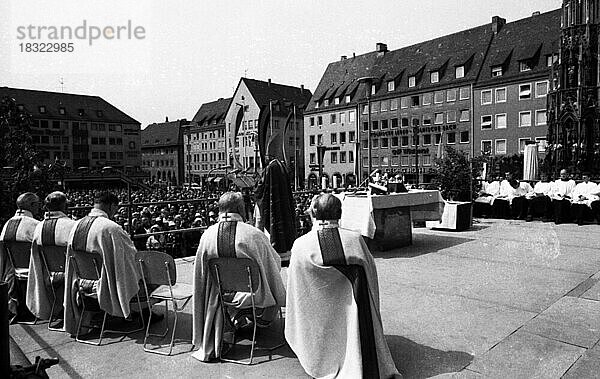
column 169, row 57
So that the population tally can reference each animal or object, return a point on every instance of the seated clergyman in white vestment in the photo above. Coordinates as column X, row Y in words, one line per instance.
column 54, row 230
column 121, row 274
column 232, row 237
column 333, row 322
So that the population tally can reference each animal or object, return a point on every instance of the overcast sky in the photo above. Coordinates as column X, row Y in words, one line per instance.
column 196, row 51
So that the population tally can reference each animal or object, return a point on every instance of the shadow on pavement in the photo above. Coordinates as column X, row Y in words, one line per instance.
column 423, row 244
column 419, row 361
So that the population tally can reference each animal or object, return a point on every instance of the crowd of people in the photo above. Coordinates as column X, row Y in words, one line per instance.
column 561, row 201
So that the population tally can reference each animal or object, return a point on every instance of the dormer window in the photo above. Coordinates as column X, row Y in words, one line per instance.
column 80, row 112
column 525, row 66
column 316, row 105
column 497, row 71
column 373, row 89
column 326, row 104
column 61, row 110
column 347, row 98
column 337, row 100
column 42, row 109
column 391, row 86
column 412, row 81
column 99, row 113
column 434, row 76
column 459, row 72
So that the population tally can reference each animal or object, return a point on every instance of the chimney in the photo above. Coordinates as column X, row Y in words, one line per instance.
column 344, row 57
column 301, row 88
column 536, row 13
column 497, row 24
column 353, row 55
column 381, row 47
column 269, row 82
column 166, row 118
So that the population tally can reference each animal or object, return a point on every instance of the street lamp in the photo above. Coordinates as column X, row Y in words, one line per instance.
column 369, row 81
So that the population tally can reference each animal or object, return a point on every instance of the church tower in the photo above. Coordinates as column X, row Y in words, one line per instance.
column 573, row 113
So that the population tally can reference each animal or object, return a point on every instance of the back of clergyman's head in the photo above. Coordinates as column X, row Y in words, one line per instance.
column 27, row 201
column 231, row 202
column 56, row 201
column 106, row 198
column 327, row 207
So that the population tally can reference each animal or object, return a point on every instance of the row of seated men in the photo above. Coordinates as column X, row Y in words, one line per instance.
column 332, row 323
column 560, row 201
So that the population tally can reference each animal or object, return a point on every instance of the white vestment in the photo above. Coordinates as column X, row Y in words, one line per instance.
column 488, row 191
column 588, row 191
column 207, row 317
column 322, row 325
column 561, row 188
column 119, row 280
column 39, row 296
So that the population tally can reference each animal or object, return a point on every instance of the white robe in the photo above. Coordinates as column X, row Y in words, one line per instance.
column 207, row 317
column 588, row 191
column 488, row 191
column 322, row 323
column 7, row 271
column 119, row 280
column 39, row 296
column 541, row 189
column 560, row 189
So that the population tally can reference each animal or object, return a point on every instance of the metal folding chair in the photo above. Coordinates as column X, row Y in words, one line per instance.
column 239, row 275
column 89, row 266
column 158, row 270
column 53, row 260
column 19, row 254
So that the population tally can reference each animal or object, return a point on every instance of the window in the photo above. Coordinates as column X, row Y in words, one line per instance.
column 404, row 122
column 326, row 102
column 496, row 71
column 351, row 157
column 390, row 86
column 434, row 77
column 343, row 137
column 347, row 100
column 337, row 101
column 395, row 160
column 375, row 142
column 464, row 137
column 384, row 124
column 486, row 122
column 404, row 102
column 375, row 125
column 42, row 109
column 464, row 93
column 311, row 140
column 384, row 143
column 415, row 101
column 524, row 119
column 319, row 139
column 438, row 97
column 365, row 144
column 393, row 104
column 395, row 141
column 464, row 115
column 451, row 138
column 500, row 146
column 427, row 99
column 451, row 95
column 550, row 59
column 333, row 138
column 426, row 119
column 522, row 143
column 438, row 139
column 459, row 72
column 404, row 160
column 541, row 142
column 334, row 157
column 312, row 121
column 404, row 141
column 373, row 89
column 426, row 159
column 351, row 136
column 541, row 89
column 332, row 118
column 384, row 105
column 439, row 118
column 486, row 97
column 365, row 161
column 342, row 157
column 451, row 116
column 426, row 139
column 375, row 107
column 525, row 66
column 524, row 91
column 365, row 109
column 501, row 121
column 486, row 147
column 394, row 122
column 312, row 158
column 540, row 117
column 352, row 116
column 500, row 95
column 55, row 124
column 385, row 161
column 412, row 81
column 61, row 110
column 319, row 120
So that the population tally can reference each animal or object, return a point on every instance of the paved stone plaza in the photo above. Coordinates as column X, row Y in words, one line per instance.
column 506, row 299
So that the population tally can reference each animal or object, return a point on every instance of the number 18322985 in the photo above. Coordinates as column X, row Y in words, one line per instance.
column 43, row 47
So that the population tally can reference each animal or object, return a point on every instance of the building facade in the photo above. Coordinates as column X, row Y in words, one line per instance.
column 205, row 142
column 162, row 152
column 80, row 130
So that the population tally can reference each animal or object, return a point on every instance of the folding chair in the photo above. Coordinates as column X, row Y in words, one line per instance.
column 158, row 270
column 53, row 260
column 239, row 275
column 19, row 254
column 89, row 266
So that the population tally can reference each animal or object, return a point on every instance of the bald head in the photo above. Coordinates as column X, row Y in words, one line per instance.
column 29, row 201
column 231, row 202
column 326, row 207
column 56, row 201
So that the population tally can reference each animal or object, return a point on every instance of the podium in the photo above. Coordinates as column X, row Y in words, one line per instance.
column 457, row 216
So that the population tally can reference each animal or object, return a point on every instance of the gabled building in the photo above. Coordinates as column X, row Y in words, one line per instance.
column 80, row 130
column 162, row 151
column 205, row 142
column 265, row 119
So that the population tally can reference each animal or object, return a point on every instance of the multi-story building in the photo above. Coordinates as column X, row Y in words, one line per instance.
column 162, row 151
column 510, row 94
column 205, row 142
column 265, row 119
column 80, row 130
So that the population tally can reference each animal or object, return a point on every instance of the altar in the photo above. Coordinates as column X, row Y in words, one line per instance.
column 387, row 219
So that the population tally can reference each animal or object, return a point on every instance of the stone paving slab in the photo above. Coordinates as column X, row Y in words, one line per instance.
column 572, row 320
column 594, row 292
column 525, row 355
column 588, row 366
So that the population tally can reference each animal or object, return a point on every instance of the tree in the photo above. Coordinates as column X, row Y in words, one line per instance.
column 454, row 174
